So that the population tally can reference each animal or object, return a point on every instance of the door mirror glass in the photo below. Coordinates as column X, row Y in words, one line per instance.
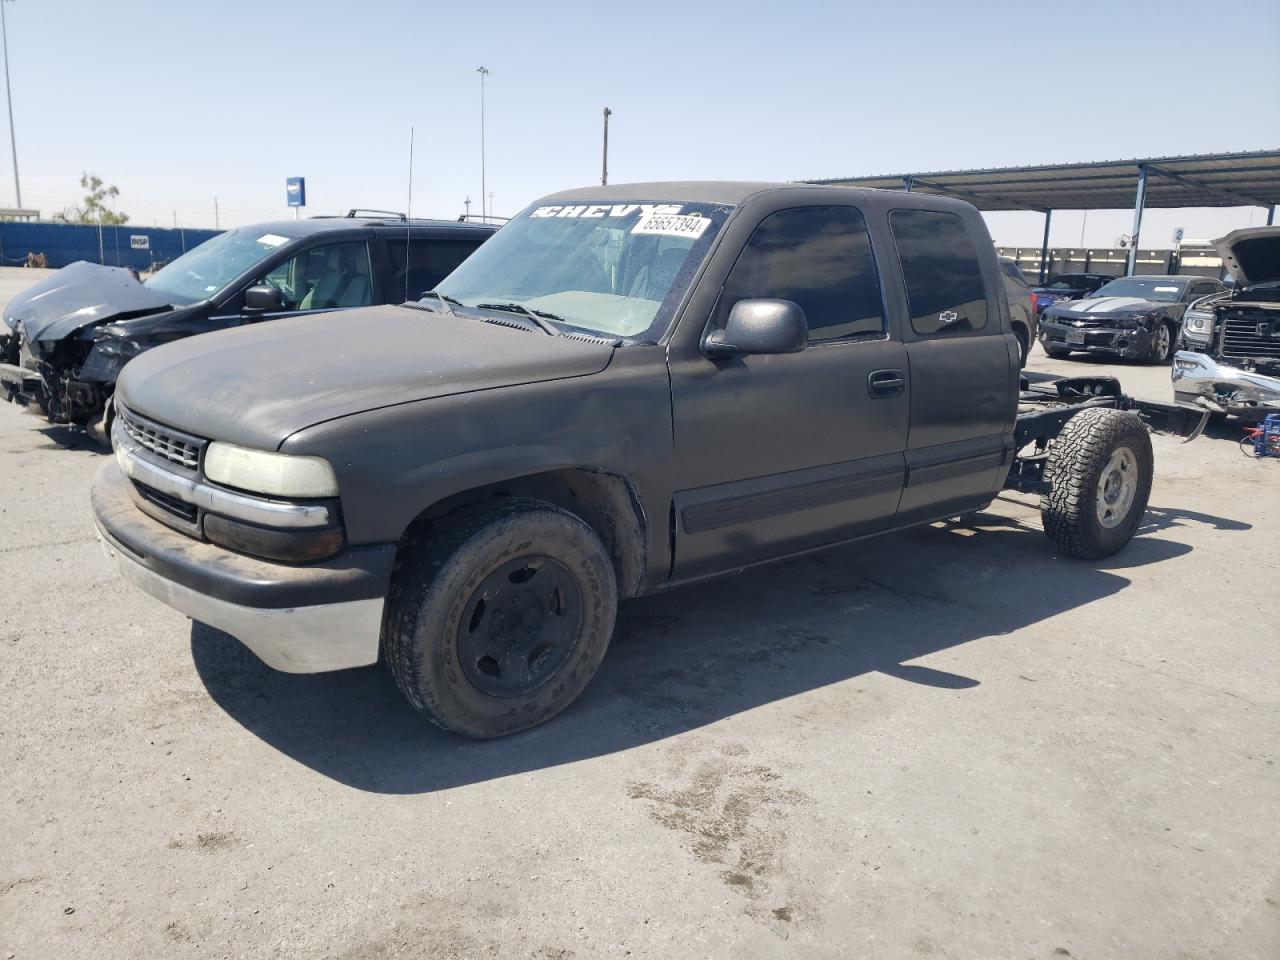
column 760, row 327
column 262, row 299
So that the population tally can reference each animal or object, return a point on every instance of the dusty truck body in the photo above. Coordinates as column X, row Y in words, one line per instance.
column 72, row 333
column 626, row 389
column 1231, row 360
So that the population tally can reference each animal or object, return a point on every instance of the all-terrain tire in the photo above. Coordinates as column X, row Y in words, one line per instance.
column 1058, row 353
column 1082, row 464
column 433, row 613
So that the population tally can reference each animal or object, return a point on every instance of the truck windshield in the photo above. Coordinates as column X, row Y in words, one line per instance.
column 204, row 270
column 614, row 269
column 1163, row 289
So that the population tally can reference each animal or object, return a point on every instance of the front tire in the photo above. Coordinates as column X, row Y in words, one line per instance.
column 499, row 621
column 1057, row 353
column 1161, row 344
column 1099, row 470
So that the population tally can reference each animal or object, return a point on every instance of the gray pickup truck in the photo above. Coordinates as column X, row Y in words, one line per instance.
column 626, row 389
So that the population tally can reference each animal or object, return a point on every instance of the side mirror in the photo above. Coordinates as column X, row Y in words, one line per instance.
column 760, row 326
column 262, row 299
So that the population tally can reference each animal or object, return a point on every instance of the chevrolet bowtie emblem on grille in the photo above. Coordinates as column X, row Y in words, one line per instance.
column 1266, row 329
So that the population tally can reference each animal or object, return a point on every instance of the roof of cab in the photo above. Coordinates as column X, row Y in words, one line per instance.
column 312, row 225
column 734, row 192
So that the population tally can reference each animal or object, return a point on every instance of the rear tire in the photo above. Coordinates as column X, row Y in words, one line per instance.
column 1100, row 469
column 499, row 621
column 1024, row 345
column 1058, row 353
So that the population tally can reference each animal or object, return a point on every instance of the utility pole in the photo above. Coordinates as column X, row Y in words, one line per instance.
column 467, row 203
column 604, row 167
column 491, row 203
column 216, row 226
column 484, row 72
column 8, row 92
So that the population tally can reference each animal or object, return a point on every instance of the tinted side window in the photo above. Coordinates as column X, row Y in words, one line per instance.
column 429, row 262
column 941, row 269
column 818, row 257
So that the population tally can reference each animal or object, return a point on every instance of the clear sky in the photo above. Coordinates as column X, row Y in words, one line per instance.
column 179, row 102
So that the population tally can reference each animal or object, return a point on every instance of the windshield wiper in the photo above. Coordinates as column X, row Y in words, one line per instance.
column 445, row 301
column 540, row 317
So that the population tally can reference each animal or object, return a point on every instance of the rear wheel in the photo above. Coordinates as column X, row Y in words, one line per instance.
column 1099, row 471
column 499, row 622
column 1024, row 345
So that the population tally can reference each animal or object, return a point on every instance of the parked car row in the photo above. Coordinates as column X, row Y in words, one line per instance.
column 69, row 336
column 626, row 388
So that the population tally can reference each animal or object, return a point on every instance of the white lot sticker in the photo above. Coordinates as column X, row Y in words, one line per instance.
column 691, row 225
column 1166, row 289
column 272, row 240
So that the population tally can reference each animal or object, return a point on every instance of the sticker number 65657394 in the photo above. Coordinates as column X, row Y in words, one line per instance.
column 672, row 225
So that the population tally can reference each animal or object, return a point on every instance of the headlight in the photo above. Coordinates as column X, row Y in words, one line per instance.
column 1198, row 323
column 275, row 474
column 11, row 323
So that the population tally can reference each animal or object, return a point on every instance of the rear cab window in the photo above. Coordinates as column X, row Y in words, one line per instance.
column 941, row 271
column 819, row 258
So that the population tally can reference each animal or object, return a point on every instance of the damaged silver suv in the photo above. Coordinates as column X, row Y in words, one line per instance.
column 1236, row 368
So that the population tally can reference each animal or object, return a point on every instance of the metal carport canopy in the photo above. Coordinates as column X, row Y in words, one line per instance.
column 1207, row 180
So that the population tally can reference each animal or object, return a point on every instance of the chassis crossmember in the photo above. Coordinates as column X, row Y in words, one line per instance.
column 1044, row 408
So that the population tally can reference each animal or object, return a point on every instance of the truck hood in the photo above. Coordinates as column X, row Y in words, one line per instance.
column 257, row 385
column 1093, row 306
column 1251, row 254
column 80, row 295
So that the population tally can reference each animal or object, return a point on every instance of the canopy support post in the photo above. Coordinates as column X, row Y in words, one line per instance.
column 1271, row 215
column 1139, row 200
column 1044, row 249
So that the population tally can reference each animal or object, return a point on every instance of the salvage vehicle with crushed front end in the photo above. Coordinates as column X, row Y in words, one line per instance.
column 1137, row 318
column 71, row 333
column 1232, row 364
column 628, row 388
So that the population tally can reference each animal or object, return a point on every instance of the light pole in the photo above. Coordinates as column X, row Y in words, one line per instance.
column 484, row 72
column 8, row 92
column 604, row 166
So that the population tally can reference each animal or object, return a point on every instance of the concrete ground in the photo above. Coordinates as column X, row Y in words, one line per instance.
column 944, row 743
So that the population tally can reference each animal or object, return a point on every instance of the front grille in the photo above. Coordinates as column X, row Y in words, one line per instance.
column 179, row 508
column 1087, row 322
column 1251, row 335
column 168, row 444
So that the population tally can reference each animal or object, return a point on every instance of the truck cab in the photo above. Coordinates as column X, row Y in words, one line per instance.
column 626, row 389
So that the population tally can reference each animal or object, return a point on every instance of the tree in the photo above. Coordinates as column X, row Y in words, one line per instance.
column 94, row 209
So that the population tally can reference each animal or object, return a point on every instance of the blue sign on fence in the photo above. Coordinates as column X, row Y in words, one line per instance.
column 296, row 190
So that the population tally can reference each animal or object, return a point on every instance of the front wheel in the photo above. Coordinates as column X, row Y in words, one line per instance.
column 1058, row 353
column 500, row 620
column 1161, row 344
column 1099, row 470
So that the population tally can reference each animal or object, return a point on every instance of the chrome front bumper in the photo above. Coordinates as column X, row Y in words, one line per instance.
column 329, row 636
column 1199, row 379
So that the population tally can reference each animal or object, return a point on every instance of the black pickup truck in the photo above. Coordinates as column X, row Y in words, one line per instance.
column 627, row 388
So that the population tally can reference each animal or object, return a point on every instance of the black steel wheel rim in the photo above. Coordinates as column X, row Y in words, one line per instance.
column 519, row 626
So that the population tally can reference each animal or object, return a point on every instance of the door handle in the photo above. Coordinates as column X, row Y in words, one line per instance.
column 885, row 383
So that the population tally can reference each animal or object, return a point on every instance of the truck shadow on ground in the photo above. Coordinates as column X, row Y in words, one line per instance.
column 691, row 657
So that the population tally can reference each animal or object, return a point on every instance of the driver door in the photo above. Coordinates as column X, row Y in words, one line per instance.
column 329, row 276
column 779, row 454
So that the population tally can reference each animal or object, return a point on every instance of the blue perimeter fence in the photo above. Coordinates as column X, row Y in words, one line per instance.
column 127, row 245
